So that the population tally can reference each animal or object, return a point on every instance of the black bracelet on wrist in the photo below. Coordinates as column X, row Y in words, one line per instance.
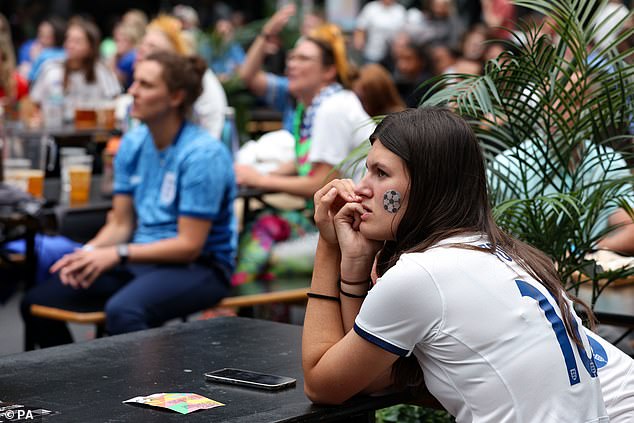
column 347, row 294
column 323, row 297
column 366, row 282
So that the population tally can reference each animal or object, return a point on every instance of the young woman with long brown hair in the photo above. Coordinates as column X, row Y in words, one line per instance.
column 477, row 316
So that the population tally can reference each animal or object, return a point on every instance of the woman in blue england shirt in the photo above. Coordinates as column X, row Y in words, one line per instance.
column 167, row 248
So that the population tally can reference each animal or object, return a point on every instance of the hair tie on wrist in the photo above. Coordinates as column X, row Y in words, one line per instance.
column 323, row 297
column 347, row 294
column 367, row 282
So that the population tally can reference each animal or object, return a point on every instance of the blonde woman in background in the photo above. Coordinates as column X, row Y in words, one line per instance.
column 122, row 63
column 165, row 33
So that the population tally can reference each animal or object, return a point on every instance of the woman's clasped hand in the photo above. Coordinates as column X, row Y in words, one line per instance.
column 339, row 213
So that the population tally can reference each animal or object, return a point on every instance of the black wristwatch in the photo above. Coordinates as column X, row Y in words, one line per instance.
column 123, row 252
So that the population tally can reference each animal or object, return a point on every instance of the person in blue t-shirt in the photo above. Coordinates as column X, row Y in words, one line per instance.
column 168, row 246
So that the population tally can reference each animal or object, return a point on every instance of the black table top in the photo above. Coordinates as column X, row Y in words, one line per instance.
column 88, row 381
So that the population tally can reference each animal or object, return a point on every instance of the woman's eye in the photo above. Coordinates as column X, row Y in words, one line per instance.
column 380, row 173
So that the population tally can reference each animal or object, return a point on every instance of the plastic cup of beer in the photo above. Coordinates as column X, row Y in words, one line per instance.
column 77, row 171
column 18, row 173
column 85, row 114
column 15, row 172
column 35, row 182
column 106, row 115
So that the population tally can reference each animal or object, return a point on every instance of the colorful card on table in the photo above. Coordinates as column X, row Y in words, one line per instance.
column 183, row 403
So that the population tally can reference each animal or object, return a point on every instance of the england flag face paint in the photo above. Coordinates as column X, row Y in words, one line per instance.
column 392, row 201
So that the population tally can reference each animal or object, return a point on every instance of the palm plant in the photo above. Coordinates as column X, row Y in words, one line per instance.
column 553, row 104
column 547, row 112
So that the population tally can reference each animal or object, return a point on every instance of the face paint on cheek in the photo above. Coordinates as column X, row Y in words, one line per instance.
column 392, row 201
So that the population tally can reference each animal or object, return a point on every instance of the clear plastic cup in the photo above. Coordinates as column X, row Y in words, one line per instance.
column 76, row 177
column 15, row 171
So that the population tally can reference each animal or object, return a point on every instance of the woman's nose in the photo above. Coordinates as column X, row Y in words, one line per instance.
column 363, row 189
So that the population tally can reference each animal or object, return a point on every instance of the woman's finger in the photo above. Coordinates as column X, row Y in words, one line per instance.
column 67, row 258
column 350, row 209
column 345, row 187
column 357, row 220
column 88, row 277
column 322, row 207
column 77, row 265
column 84, row 273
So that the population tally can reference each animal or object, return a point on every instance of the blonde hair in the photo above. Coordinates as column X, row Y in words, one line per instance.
column 136, row 18
column 330, row 39
column 130, row 32
column 172, row 29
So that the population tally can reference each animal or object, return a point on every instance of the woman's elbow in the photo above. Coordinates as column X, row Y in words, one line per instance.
column 323, row 393
column 321, row 398
column 189, row 253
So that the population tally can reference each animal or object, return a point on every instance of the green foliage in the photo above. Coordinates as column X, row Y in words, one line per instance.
column 553, row 98
column 404, row 413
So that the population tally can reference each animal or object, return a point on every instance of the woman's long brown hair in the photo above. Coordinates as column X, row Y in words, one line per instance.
column 448, row 197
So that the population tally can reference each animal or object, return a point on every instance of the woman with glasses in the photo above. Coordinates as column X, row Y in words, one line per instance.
column 328, row 122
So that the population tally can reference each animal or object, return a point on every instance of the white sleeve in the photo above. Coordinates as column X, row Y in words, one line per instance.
column 616, row 375
column 340, row 125
column 211, row 106
column 40, row 88
column 108, row 82
column 403, row 308
column 364, row 17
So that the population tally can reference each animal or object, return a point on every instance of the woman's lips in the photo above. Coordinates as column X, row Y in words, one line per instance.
column 366, row 212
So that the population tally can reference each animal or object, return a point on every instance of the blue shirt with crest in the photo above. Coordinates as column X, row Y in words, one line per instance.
column 191, row 177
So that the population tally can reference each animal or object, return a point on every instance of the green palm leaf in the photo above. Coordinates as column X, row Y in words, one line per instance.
column 545, row 104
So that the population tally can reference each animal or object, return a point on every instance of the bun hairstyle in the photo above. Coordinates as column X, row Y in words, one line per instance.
column 330, row 40
column 171, row 27
column 182, row 73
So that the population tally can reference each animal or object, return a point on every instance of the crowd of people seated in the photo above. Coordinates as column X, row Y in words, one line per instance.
column 326, row 100
column 170, row 246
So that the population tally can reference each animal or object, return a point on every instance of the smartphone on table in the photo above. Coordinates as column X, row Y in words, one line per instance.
column 250, row 379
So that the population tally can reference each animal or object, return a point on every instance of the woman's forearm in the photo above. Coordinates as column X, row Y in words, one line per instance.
column 322, row 325
column 303, row 186
column 355, row 283
column 251, row 70
column 171, row 250
column 112, row 233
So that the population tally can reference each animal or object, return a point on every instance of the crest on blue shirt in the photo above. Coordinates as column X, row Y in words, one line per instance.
column 168, row 188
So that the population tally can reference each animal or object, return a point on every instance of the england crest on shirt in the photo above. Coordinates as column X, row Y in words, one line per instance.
column 168, row 188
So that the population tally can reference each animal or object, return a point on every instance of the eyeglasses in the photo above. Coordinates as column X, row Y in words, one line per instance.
column 300, row 58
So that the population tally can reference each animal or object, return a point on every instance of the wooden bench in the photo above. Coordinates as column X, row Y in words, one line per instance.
column 98, row 318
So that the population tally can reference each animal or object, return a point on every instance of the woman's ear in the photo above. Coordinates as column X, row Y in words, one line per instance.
column 177, row 98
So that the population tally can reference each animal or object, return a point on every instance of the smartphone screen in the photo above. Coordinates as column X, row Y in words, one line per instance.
column 250, row 379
